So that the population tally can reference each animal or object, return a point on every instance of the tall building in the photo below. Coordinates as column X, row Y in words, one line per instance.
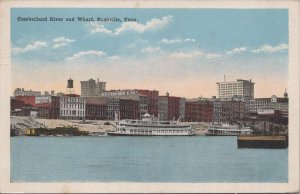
column 239, row 88
column 92, row 88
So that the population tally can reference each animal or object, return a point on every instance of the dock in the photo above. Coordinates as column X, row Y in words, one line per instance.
column 263, row 141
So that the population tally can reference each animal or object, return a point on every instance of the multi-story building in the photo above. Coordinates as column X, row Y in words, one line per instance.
column 123, row 108
column 48, row 106
column 96, row 108
column 72, row 107
column 20, row 108
column 143, row 105
column 198, row 111
column 171, row 107
column 182, row 102
column 26, row 99
column 148, row 99
column 274, row 103
column 239, row 88
column 100, row 87
column 55, row 107
column 152, row 96
column 129, row 109
column 232, row 111
column 22, row 92
column 43, row 110
column 113, row 108
column 92, row 88
column 217, row 112
column 163, row 108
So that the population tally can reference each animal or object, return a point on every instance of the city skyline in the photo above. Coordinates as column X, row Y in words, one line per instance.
column 183, row 52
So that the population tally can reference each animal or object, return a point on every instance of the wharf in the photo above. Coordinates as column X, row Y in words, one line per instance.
column 263, row 141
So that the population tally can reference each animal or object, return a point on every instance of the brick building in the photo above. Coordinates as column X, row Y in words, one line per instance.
column 20, row 108
column 148, row 100
column 26, row 99
column 152, row 96
column 129, row 109
column 96, row 108
column 163, row 108
column 198, row 111
column 228, row 111
column 124, row 108
column 171, row 107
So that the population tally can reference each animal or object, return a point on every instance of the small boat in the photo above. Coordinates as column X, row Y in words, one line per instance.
column 149, row 126
column 227, row 130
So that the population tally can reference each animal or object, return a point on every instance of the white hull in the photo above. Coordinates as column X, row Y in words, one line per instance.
column 227, row 130
column 150, row 127
column 151, row 132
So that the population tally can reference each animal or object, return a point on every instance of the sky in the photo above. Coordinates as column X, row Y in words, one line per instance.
column 181, row 51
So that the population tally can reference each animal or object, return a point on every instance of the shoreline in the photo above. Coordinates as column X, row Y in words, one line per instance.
column 20, row 124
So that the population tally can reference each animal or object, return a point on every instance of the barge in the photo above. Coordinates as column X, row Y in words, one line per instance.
column 263, row 141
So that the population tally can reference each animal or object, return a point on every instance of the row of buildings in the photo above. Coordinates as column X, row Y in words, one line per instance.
column 235, row 102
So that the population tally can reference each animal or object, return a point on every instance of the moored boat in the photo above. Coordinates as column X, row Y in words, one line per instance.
column 227, row 130
column 148, row 126
column 263, row 141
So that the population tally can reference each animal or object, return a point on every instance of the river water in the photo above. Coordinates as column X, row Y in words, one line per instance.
column 197, row 159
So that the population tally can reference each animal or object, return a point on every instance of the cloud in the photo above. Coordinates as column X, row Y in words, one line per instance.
column 186, row 54
column 270, row 49
column 212, row 55
column 175, row 41
column 114, row 57
column 61, row 41
column 236, row 51
column 150, row 49
column 30, row 47
column 194, row 54
column 132, row 26
column 85, row 54
column 99, row 28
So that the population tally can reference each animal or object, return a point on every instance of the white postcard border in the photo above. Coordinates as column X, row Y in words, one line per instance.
column 94, row 187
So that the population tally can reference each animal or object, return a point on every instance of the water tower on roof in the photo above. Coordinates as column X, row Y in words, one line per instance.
column 70, row 87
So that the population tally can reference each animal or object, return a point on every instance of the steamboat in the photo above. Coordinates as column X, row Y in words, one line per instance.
column 149, row 126
column 227, row 130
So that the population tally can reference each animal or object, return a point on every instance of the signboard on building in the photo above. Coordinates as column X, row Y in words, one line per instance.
column 42, row 99
column 119, row 93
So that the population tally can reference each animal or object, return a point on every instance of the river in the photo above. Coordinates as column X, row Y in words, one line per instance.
column 197, row 159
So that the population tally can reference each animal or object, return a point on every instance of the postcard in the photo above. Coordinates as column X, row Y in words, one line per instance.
column 149, row 96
